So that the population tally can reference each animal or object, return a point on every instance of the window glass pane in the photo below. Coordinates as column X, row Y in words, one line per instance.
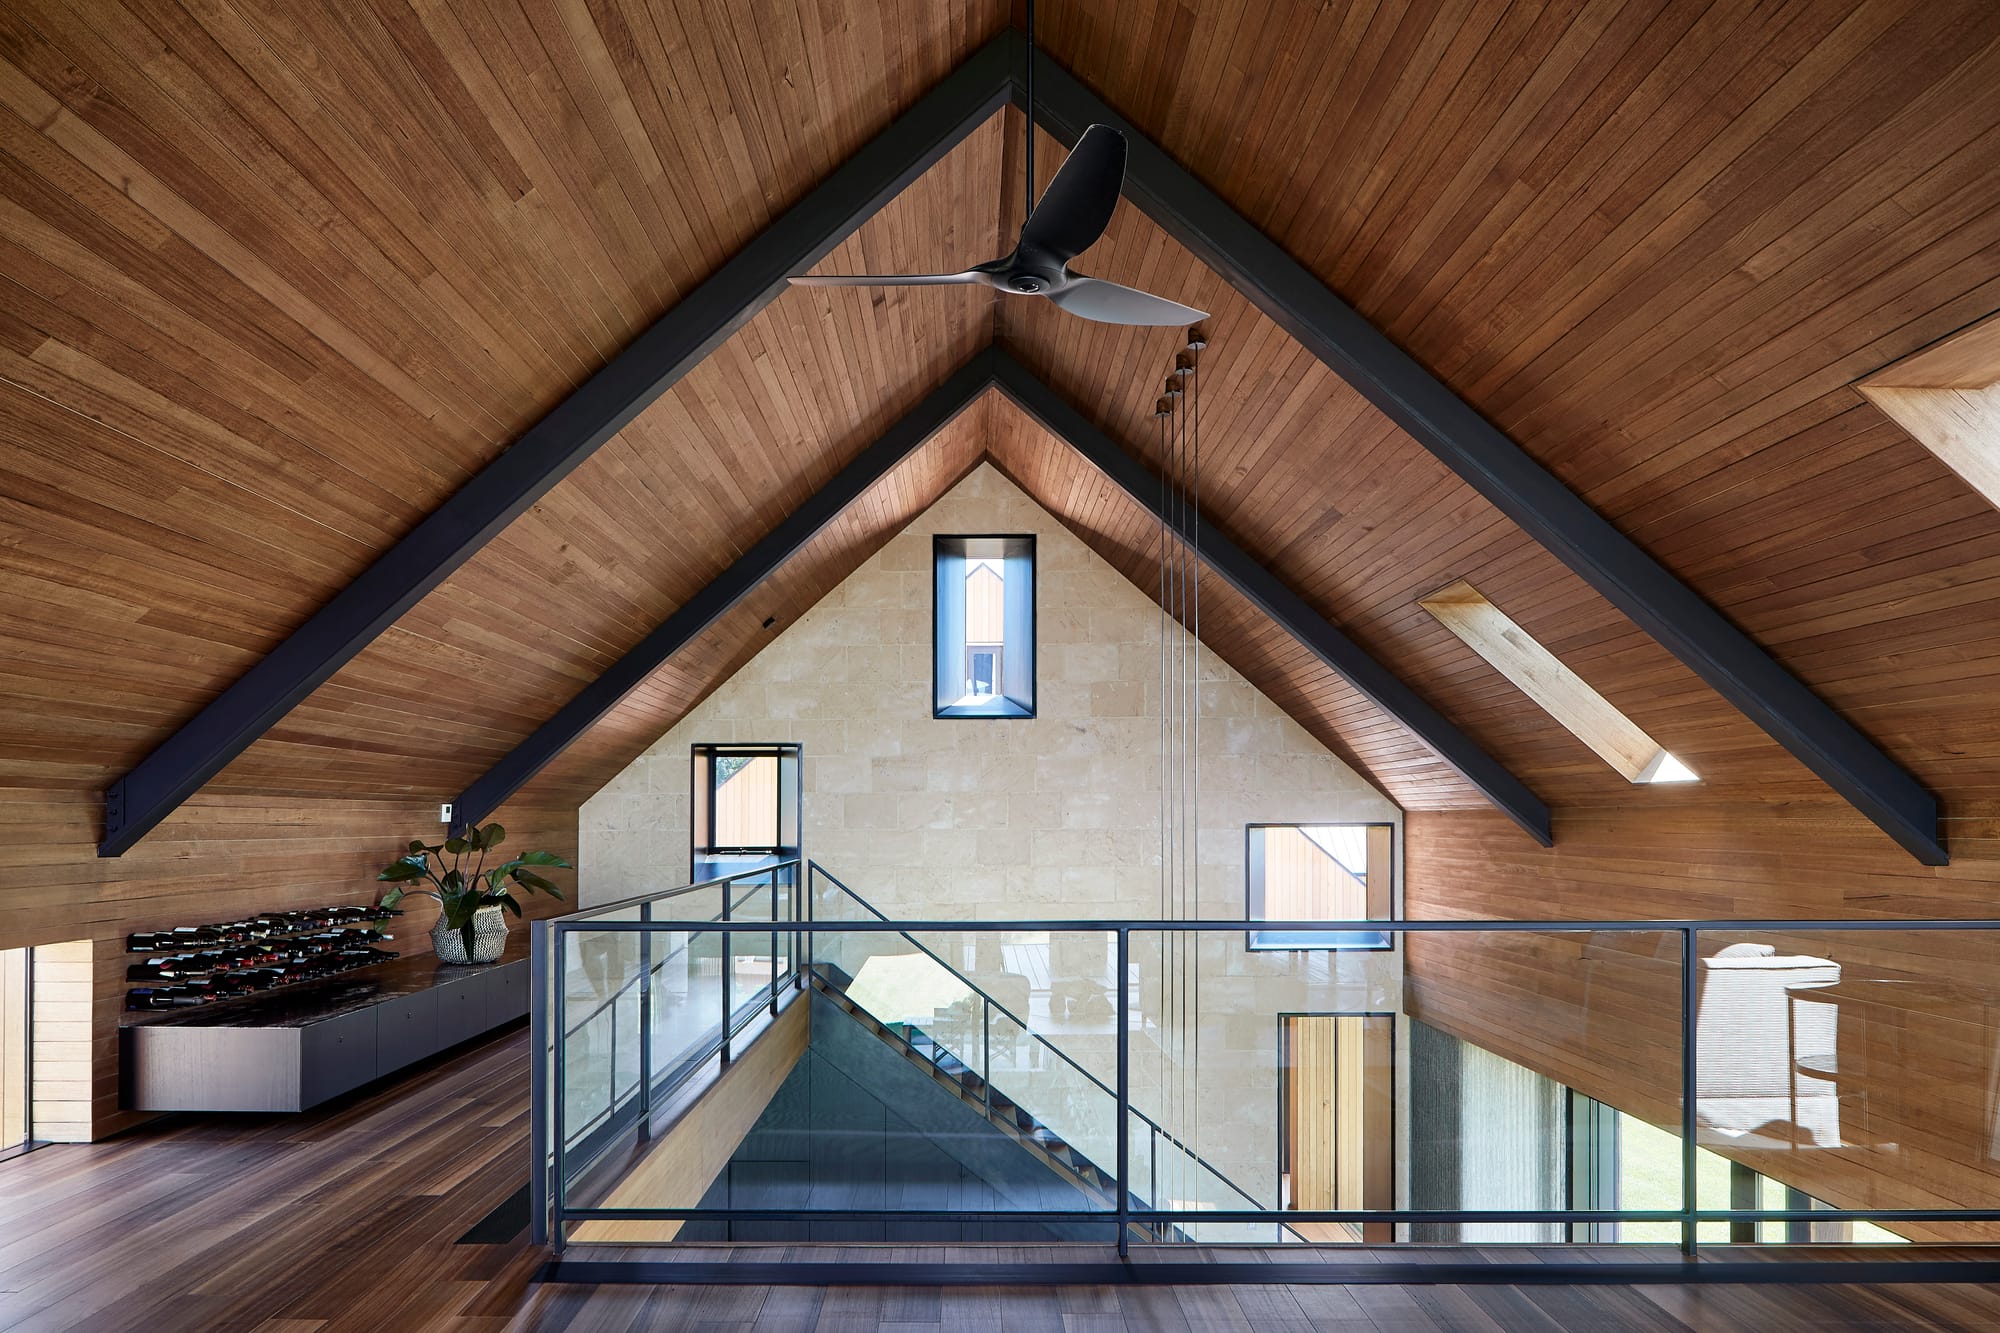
column 746, row 800
column 984, row 645
column 1319, row 872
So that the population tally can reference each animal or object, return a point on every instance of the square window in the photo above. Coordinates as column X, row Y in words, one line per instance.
column 983, row 627
column 1320, row 872
column 745, row 809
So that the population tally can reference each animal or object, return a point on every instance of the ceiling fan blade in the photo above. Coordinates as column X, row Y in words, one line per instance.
column 1076, row 208
column 969, row 278
column 1109, row 303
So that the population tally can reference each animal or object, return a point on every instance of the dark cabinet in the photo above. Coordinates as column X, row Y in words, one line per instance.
column 406, row 1030
column 335, row 1055
column 461, row 1008
column 224, row 1059
column 507, row 994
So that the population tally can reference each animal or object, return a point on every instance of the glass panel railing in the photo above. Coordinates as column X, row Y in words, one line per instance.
column 1480, row 1083
column 599, row 1018
column 1851, row 1069
column 632, row 1010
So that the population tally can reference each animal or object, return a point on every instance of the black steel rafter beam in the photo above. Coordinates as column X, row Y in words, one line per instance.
column 551, row 449
column 1299, row 303
column 750, row 569
column 1290, row 612
column 995, row 369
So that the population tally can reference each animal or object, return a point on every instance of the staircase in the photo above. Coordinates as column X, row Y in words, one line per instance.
column 947, row 1071
column 1017, row 1123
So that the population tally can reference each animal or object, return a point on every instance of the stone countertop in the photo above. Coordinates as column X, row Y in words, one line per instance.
column 316, row 1001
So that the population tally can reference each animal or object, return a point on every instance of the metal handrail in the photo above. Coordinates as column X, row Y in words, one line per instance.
column 619, row 994
column 1686, row 935
column 641, row 899
column 1158, row 1130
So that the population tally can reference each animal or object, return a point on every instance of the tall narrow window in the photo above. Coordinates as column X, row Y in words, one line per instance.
column 745, row 809
column 1320, row 872
column 984, row 631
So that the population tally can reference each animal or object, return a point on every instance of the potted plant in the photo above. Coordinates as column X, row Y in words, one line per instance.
column 470, row 927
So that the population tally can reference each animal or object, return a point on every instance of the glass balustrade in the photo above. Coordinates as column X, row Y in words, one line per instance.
column 1160, row 1084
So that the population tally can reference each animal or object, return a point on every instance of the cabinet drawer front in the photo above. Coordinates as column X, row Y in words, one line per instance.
column 406, row 1030
column 336, row 1055
column 462, row 1008
column 507, row 994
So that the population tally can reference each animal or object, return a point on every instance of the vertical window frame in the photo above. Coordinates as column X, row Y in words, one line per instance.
column 943, row 544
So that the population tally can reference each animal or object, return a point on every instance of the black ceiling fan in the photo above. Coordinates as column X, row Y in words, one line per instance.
column 1067, row 220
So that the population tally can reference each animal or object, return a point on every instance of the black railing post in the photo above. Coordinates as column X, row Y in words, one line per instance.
column 1124, row 1090
column 558, row 973
column 986, row 1045
column 728, row 952
column 646, row 1022
column 538, row 1081
column 773, row 970
column 1689, row 1200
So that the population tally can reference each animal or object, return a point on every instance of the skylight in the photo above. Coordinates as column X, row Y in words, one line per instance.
column 1563, row 694
column 1948, row 397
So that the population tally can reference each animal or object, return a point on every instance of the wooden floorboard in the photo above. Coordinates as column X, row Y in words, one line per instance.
column 346, row 1217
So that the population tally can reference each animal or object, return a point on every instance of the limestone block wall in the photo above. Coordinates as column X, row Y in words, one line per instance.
column 1056, row 816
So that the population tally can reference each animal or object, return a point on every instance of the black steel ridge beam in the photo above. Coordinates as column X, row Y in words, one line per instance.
column 694, row 617
column 1499, row 469
column 1287, row 609
column 597, row 410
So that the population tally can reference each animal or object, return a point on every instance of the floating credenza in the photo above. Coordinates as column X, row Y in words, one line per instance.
column 286, row 1051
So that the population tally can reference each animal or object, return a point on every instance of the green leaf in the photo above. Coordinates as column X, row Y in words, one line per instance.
column 541, row 859
column 454, row 881
column 465, row 933
column 417, row 846
column 507, row 901
column 493, row 834
column 529, row 879
column 402, row 871
column 456, row 846
column 392, row 897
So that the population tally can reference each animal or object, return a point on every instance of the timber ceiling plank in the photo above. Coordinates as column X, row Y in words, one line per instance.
column 871, row 469
column 649, row 520
column 1791, row 129
column 307, row 230
column 1348, row 511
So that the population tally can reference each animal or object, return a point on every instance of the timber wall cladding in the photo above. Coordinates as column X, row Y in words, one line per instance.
column 1916, row 1015
column 218, row 857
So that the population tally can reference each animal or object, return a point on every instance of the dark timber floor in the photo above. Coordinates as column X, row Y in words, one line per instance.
column 346, row 1218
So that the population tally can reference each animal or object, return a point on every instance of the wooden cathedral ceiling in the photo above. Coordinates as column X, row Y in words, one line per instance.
column 280, row 278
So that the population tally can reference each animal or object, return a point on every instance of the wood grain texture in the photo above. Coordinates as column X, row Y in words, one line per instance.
column 443, row 1146
column 220, row 857
column 1918, row 1022
column 280, row 279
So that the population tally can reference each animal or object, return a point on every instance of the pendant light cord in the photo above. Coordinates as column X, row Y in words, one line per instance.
column 1031, row 113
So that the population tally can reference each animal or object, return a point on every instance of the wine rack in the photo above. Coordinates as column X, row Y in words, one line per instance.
column 195, row 965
